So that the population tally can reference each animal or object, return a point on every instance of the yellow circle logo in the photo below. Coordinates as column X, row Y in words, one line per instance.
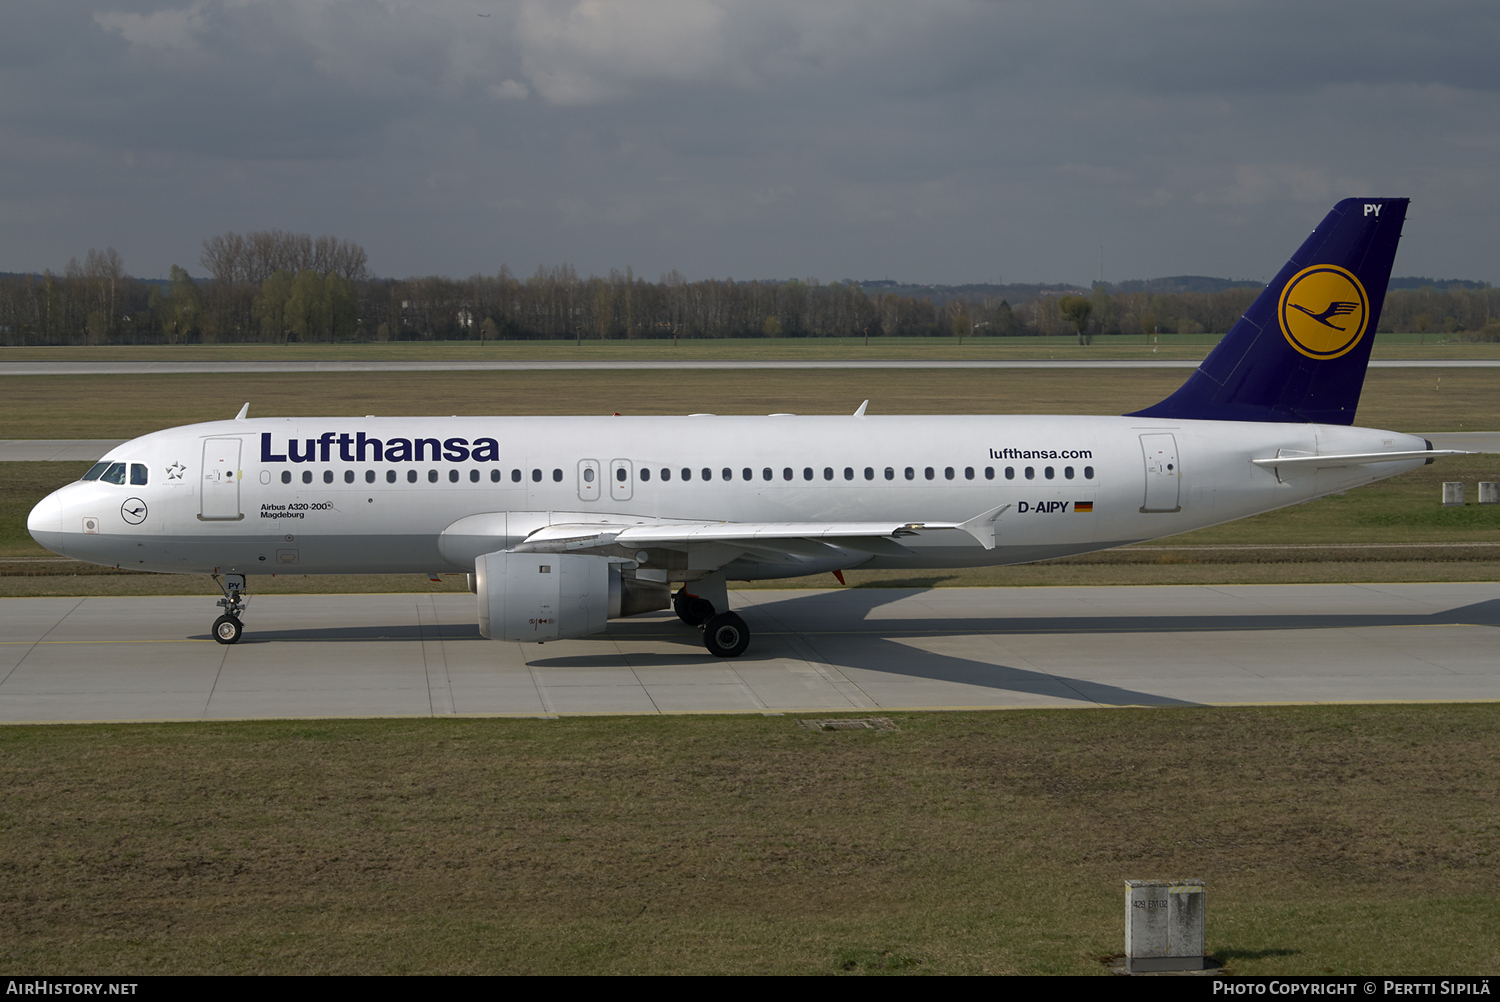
column 1323, row 311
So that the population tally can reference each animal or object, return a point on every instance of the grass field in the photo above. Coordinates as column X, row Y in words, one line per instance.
column 1414, row 400
column 1132, row 346
column 1348, row 840
column 1352, row 840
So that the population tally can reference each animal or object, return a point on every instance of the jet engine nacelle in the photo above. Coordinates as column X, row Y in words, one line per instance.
column 532, row 597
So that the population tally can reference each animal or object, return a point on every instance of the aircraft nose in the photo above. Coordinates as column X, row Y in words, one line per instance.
column 45, row 523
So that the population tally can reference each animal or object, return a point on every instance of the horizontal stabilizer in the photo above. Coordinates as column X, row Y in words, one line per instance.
column 1353, row 459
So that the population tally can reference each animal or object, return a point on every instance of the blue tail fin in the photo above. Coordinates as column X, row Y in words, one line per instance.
column 1299, row 352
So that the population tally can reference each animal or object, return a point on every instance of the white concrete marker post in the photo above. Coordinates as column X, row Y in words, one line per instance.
column 1489, row 492
column 1453, row 493
column 1164, row 925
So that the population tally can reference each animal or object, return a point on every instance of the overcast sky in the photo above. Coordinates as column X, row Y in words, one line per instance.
column 933, row 141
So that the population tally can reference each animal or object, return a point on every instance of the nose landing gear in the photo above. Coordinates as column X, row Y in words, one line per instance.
column 228, row 628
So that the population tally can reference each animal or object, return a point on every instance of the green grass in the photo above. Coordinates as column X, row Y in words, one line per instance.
column 1360, row 840
column 1124, row 346
column 1410, row 400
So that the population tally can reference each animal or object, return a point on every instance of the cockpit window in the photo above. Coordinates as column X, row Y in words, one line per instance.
column 95, row 471
column 137, row 474
column 115, row 474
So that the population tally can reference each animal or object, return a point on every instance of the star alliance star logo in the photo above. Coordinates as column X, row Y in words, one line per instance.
column 175, row 471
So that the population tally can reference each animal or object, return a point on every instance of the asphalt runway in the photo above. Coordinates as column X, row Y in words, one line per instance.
column 125, row 368
column 93, row 659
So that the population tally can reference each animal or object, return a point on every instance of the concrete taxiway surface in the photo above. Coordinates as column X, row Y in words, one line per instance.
column 77, row 659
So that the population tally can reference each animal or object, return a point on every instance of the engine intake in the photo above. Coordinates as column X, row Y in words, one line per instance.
column 532, row 597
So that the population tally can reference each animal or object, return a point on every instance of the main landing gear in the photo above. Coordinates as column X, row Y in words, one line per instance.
column 725, row 634
column 227, row 628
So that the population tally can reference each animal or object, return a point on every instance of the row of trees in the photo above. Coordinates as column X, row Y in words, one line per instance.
column 275, row 286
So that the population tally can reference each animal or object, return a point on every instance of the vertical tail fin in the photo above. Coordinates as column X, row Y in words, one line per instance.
column 1299, row 353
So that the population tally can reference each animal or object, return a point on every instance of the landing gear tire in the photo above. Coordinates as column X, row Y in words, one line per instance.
column 691, row 609
column 726, row 635
column 227, row 630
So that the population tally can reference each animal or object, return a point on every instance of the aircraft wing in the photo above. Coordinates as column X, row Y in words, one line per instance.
column 874, row 537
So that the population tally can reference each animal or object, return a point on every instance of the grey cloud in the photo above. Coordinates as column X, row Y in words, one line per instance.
column 945, row 141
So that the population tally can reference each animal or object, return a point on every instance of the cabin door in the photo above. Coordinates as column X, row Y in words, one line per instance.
column 1163, row 473
column 220, row 495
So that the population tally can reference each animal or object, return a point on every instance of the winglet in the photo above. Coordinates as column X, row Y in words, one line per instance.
column 861, row 411
column 243, row 411
column 982, row 527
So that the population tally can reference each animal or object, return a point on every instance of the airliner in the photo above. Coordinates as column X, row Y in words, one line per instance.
column 563, row 523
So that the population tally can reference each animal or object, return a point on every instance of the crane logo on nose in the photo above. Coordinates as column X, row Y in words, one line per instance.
column 133, row 511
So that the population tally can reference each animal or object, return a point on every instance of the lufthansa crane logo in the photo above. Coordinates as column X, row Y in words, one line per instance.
column 133, row 511
column 1324, row 311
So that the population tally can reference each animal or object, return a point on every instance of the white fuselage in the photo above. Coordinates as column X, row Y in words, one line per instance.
column 306, row 496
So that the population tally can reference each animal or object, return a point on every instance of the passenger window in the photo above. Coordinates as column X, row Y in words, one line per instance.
column 807, row 473
column 286, row 476
column 348, row 476
column 115, row 474
column 96, row 471
column 411, row 476
column 748, row 473
column 869, row 473
column 536, row 476
column 619, row 474
column 473, row 476
column 369, row 476
column 1048, row 473
column 786, row 473
column 432, row 476
column 588, row 474
column 1030, row 473
column 327, row 476
column 666, row 474
column 728, row 474
column 890, row 474
column 1068, row 472
column 645, row 474
column 687, row 474
column 1010, row 473
column 495, row 476
column 910, row 473
column 453, row 476
column 928, row 473
column 947, row 473
column 557, row 476
column 307, row 476
column 515, row 476
column 1088, row 473
column 137, row 474
column 765, row 474
column 848, row 473
column 390, row 476
column 827, row 473
column 968, row 473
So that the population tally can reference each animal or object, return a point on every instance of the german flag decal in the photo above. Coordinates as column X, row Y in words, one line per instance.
column 1083, row 506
